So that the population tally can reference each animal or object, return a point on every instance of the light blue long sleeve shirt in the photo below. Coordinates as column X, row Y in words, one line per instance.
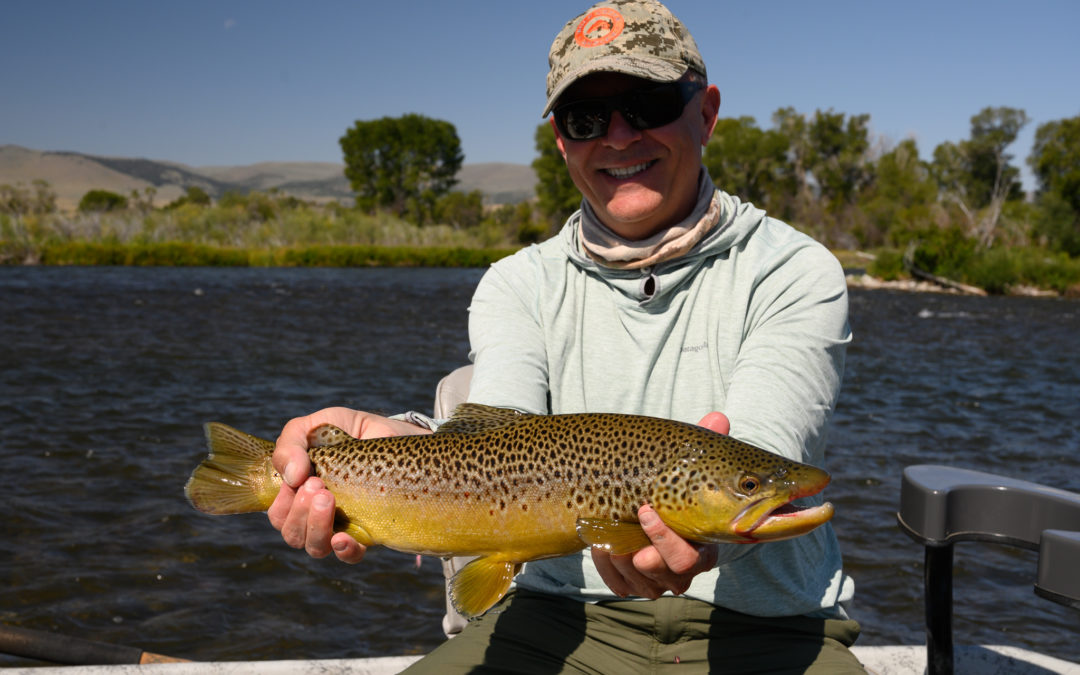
column 751, row 322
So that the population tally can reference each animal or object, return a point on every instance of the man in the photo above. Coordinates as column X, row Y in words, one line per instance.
column 663, row 296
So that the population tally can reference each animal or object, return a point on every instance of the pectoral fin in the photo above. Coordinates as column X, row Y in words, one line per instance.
column 481, row 584
column 614, row 536
column 354, row 530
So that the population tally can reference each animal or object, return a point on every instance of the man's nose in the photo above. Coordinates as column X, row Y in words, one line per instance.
column 620, row 134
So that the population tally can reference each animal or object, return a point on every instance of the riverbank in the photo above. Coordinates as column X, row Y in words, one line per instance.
column 195, row 254
column 1012, row 274
column 867, row 282
column 186, row 254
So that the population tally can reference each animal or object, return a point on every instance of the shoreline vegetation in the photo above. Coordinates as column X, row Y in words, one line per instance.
column 960, row 223
column 254, row 230
column 187, row 254
column 263, row 230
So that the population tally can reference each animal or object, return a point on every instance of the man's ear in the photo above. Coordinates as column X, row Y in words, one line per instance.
column 558, row 138
column 710, row 111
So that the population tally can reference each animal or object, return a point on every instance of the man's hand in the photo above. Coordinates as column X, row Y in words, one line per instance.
column 671, row 563
column 304, row 509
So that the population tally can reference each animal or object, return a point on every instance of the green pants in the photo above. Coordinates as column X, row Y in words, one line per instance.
column 536, row 633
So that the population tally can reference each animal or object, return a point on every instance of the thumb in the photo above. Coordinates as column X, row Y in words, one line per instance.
column 654, row 528
column 716, row 421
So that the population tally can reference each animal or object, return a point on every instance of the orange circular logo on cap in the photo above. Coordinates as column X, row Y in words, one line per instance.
column 599, row 27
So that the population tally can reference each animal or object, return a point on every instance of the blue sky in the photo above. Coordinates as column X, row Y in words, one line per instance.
column 241, row 81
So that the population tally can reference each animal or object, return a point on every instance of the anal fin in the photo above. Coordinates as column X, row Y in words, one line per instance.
column 614, row 536
column 480, row 584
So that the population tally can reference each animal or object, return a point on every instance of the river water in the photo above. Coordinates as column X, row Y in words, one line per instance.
column 108, row 374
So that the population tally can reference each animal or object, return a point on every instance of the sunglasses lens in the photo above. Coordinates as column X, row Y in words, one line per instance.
column 583, row 120
column 653, row 108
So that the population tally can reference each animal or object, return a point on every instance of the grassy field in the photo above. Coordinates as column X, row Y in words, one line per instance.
column 260, row 233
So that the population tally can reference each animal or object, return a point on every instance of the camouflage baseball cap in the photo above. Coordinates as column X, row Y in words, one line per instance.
column 636, row 37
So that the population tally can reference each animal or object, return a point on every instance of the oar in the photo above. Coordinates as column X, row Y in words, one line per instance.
column 46, row 646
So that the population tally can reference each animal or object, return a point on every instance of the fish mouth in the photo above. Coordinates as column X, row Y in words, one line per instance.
column 775, row 517
column 784, row 522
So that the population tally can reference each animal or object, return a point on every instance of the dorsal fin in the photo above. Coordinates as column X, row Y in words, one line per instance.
column 471, row 418
column 326, row 435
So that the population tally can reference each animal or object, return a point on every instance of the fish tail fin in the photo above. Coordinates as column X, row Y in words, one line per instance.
column 237, row 476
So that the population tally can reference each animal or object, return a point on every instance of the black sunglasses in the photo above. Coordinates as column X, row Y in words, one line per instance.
column 641, row 108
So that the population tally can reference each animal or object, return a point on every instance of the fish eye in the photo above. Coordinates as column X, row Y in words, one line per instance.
column 749, row 484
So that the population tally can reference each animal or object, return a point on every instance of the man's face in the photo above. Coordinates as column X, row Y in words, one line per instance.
column 639, row 182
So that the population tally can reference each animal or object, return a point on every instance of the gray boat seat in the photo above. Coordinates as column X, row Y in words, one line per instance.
column 941, row 505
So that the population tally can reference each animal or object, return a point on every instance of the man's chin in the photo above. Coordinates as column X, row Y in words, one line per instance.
column 634, row 216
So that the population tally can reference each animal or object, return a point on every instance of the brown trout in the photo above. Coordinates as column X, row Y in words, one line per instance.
column 511, row 487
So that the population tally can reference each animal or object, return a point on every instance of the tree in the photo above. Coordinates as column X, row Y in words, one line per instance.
column 900, row 197
column 556, row 194
column 193, row 194
column 827, row 164
column 144, row 201
column 837, row 156
column 746, row 161
column 460, row 209
column 1055, row 161
column 102, row 200
column 17, row 200
column 792, row 125
column 976, row 175
column 401, row 164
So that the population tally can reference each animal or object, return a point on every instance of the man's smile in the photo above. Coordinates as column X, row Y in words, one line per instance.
column 628, row 171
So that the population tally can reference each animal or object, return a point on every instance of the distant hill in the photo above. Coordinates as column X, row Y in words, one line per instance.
column 500, row 183
column 73, row 174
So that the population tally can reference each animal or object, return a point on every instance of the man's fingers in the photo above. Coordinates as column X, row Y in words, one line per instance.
column 675, row 553
column 632, row 579
column 347, row 549
column 717, row 421
column 279, row 510
column 320, row 524
column 671, row 562
column 611, row 576
column 290, row 457
column 294, row 529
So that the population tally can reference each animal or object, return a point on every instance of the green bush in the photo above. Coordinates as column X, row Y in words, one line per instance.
column 1057, row 224
column 100, row 201
column 941, row 250
column 994, row 271
column 887, row 264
